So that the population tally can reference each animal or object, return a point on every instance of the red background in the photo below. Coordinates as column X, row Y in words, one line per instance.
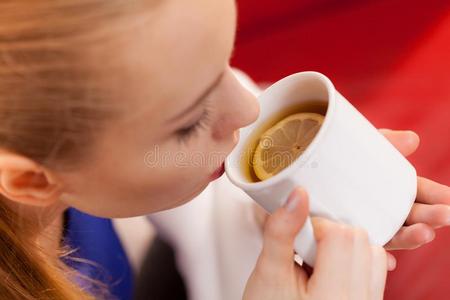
column 391, row 59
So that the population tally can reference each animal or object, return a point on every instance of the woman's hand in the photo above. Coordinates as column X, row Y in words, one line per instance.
column 432, row 207
column 347, row 266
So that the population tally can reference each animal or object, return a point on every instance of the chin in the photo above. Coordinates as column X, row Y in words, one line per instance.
column 187, row 198
column 142, row 207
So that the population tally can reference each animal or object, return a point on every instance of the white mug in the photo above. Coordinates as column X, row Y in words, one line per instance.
column 351, row 172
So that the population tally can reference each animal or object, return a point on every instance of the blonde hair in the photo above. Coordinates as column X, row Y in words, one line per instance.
column 50, row 108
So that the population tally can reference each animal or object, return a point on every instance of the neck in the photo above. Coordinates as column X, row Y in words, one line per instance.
column 50, row 236
column 45, row 225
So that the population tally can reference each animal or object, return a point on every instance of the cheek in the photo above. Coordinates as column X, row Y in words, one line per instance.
column 128, row 189
column 176, row 168
column 177, row 182
column 128, row 178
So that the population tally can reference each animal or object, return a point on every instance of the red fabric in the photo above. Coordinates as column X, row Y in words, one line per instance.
column 391, row 59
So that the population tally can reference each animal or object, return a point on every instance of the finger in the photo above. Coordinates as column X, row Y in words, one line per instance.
column 392, row 262
column 361, row 264
column 437, row 215
column 431, row 192
column 303, row 271
column 302, row 275
column 343, row 258
column 411, row 237
column 308, row 269
column 260, row 215
column 321, row 227
column 405, row 141
column 378, row 273
column 279, row 233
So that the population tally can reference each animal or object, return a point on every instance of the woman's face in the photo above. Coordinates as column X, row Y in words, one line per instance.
column 182, row 109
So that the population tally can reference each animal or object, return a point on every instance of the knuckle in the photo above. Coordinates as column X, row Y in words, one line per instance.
column 344, row 232
column 351, row 234
column 339, row 232
column 378, row 253
column 360, row 234
column 274, row 230
column 347, row 233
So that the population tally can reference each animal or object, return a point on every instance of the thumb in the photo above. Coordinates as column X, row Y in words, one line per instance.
column 280, row 231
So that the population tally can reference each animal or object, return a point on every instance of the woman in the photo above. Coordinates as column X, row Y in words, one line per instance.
column 87, row 88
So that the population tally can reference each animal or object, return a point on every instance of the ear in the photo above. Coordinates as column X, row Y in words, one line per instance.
column 24, row 181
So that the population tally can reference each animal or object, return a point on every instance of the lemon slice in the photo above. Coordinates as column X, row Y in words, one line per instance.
column 281, row 144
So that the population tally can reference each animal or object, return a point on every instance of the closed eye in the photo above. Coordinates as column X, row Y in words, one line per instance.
column 184, row 134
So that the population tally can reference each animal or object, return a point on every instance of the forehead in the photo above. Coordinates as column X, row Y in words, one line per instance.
column 162, row 59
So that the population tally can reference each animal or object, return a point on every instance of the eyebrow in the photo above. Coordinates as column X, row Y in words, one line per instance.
column 200, row 99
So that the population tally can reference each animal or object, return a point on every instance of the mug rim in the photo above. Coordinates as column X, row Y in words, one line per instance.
column 304, row 157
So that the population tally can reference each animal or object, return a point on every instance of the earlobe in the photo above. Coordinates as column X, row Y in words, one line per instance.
column 26, row 182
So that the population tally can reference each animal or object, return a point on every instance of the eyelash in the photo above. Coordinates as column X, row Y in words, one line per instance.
column 185, row 134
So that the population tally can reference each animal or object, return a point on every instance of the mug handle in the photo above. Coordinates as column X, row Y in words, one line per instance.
column 305, row 244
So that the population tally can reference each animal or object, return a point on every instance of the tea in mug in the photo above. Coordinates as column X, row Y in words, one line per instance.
column 282, row 139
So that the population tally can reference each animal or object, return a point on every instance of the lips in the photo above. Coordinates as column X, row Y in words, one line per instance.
column 218, row 172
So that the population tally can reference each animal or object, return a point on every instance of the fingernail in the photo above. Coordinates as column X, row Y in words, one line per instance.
column 293, row 201
column 429, row 236
column 413, row 137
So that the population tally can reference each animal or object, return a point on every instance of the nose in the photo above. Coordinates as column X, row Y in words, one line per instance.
column 239, row 107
